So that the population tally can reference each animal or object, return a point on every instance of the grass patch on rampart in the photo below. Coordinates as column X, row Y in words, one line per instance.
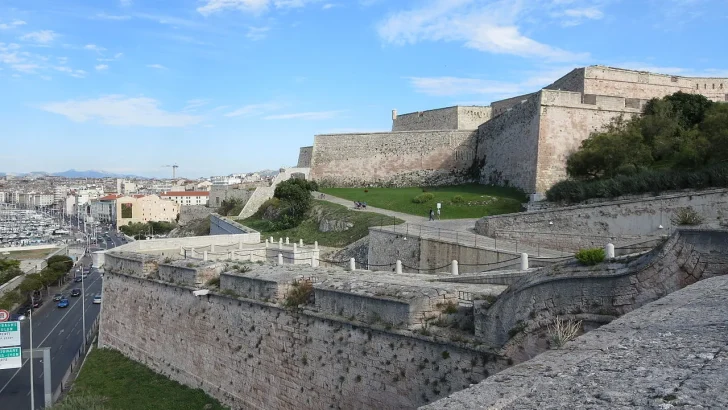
column 26, row 255
column 115, row 382
column 308, row 230
column 458, row 201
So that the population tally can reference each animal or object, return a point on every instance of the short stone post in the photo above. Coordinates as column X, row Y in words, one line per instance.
column 280, row 243
column 212, row 248
column 266, row 243
column 398, row 266
column 271, row 240
column 609, row 250
column 287, row 241
column 315, row 245
column 181, row 251
column 295, row 249
column 455, row 268
column 524, row 261
column 240, row 245
column 204, row 255
column 352, row 264
column 280, row 258
column 300, row 243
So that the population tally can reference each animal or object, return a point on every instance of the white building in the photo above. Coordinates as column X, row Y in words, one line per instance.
column 31, row 199
column 187, row 197
column 226, row 180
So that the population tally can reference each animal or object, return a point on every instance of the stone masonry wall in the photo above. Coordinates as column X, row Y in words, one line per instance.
column 226, row 192
column 508, row 146
column 220, row 225
column 499, row 107
column 579, row 226
column 573, row 81
column 557, row 140
column 610, row 289
column 254, row 355
column 437, row 119
column 189, row 213
column 304, row 157
column 397, row 158
column 471, row 117
column 130, row 263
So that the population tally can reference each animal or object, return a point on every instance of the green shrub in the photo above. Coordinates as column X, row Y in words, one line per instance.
column 686, row 216
column 214, row 282
column 590, row 257
column 458, row 199
column 422, row 198
column 299, row 294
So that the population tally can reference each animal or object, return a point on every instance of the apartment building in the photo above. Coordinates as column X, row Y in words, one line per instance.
column 187, row 197
column 144, row 208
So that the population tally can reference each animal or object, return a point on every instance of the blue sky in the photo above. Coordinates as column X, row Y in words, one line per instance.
column 225, row 86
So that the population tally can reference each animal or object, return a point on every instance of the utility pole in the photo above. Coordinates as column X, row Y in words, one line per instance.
column 32, row 380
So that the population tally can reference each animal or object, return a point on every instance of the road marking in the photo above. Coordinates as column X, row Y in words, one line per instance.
column 39, row 345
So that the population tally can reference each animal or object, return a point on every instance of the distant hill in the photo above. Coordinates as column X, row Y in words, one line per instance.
column 72, row 173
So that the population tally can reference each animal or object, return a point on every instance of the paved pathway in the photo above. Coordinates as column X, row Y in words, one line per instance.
column 459, row 231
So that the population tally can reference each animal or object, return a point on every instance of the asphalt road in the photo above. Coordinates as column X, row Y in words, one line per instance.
column 59, row 329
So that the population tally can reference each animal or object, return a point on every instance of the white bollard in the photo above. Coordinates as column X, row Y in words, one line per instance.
column 524, row 261
column 287, row 242
column 352, row 264
column 204, row 256
column 609, row 250
column 266, row 243
column 455, row 268
column 398, row 266
column 280, row 243
column 295, row 249
column 300, row 243
column 315, row 245
column 181, row 251
column 280, row 258
column 212, row 248
column 240, row 245
column 271, row 239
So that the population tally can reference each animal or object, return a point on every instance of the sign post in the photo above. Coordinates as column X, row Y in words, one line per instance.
column 4, row 315
column 10, row 358
column 9, row 334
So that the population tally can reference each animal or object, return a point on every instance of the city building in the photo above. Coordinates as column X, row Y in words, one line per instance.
column 187, row 197
column 144, row 208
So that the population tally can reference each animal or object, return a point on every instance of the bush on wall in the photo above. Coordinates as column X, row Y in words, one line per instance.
column 590, row 257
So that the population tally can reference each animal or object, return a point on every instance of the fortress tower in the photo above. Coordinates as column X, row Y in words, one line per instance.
column 521, row 141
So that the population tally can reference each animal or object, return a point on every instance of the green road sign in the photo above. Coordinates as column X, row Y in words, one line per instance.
column 9, row 334
column 10, row 358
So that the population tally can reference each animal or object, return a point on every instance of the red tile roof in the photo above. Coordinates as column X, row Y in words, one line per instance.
column 186, row 193
column 110, row 197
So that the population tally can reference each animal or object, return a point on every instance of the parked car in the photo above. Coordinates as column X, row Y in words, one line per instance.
column 57, row 297
column 76, row 292
column 37, row 303
column 97, row 299
column 63, row 303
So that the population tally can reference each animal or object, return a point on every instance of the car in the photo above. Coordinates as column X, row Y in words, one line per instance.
column 77, row 279
column 16, row 317
column 97, row 299
column 57, row 297
column 37, row 303
column 76, row 292
column 63, row 303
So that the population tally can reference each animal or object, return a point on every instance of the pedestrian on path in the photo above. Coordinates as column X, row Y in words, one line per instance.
column 432, row 215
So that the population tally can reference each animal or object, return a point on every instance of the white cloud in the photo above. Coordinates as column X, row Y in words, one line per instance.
column 13, row 24
column 25, row 67
column 489, row 26
column 43, row 36
column 72, row 72
column 574, row 17
column 157, row 66
column 192, row 105
column 125, row 3
column 250, row 6
column 328, row 6
column 104, row 16
column 121, row 110
column 315, row 115
column 253, row 109
column 257, row 33
column 94, row 47
column 101, row 67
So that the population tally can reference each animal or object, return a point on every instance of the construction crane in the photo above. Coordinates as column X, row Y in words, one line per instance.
column 174, row 169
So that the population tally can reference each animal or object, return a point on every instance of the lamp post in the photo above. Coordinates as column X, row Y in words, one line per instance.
column 32, row 381
column 83, row 309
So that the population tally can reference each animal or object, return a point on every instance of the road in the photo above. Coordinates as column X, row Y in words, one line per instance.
column 59, row 329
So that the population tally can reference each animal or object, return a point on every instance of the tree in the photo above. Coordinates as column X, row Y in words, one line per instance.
column 228, row 205
column 715, row 129
column 32, row 282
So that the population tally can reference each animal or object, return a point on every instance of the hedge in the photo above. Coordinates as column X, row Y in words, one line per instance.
column 655, row 181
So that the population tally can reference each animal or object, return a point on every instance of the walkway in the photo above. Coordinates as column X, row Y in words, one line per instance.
column 460, row 231
column 671, row 353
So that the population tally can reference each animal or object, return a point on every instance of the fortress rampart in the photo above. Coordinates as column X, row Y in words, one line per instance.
column 521, row 141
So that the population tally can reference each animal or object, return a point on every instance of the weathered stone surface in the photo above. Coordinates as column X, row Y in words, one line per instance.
column 670, row 353
column 334, row 225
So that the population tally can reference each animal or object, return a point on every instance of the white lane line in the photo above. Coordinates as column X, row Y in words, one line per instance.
column 39, row 345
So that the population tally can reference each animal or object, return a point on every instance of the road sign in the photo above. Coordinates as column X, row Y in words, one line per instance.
column 9, row 334
column 4, row 315
column 10, row 358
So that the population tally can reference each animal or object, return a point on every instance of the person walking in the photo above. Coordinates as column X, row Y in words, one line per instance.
column 432, row 215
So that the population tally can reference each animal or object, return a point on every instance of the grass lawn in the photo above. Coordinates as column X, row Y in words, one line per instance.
column 477, row 200
column 308, row 229
column 25, row 255
column 119, row 383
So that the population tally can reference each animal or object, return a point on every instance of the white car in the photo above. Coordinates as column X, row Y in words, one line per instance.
column 97, row 300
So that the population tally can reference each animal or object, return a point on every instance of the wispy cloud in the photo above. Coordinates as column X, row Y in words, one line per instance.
column 114, row 58
column 157, row 66
column 193, row 105
column 72, row 72
column 254, row 109
column 13, row 24
column 250, row 6
column 574, row 17
column 101, row 67
column 328, row 6
column 94, row 47
column 125, row 3
column 489, row 26
column 42, row 37
column 314, row 115
column 257, row 33
column 121, row 111
column 104, row 16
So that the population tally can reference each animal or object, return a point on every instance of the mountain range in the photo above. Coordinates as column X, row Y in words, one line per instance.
column 72, row 173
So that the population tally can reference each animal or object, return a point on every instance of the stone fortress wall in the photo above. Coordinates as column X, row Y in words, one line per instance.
column 521, row 141
column 304, row 157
